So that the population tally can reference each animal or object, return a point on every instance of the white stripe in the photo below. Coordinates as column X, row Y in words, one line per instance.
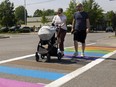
column 79, row 71
column 17, row 58
column 41, row 83
column 26, row 56
column 80, row 45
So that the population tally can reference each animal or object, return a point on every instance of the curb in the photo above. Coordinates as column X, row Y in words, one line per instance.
column 3, row 37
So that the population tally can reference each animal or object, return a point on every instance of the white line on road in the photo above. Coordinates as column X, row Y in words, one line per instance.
column 17, row 58
column 27, row 56
column 31, row 55
column 80, row 45
column 76, row 73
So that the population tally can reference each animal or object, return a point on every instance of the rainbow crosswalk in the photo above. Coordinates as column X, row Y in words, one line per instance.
column 14, row 83
column 91, row 52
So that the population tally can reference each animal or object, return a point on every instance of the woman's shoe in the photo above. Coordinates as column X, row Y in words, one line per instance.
column 75, row 54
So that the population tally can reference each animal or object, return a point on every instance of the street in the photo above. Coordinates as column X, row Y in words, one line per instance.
column 18, row 65
column 24, row 44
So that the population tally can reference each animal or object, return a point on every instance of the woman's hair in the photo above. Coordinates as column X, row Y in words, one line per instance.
column 60, row 9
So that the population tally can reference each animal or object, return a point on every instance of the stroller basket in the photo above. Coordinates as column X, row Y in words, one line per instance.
column 42, row 50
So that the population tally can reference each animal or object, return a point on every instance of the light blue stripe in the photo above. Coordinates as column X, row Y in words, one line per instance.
column 31, row 73
column 93, row 54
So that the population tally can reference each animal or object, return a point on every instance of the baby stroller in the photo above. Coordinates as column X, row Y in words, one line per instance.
column 47, row 45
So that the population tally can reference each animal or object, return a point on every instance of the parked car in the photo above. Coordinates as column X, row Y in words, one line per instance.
column 109, row 29
column 25, row 29
column 4, row 29
column 69, row 27
column 14, row 28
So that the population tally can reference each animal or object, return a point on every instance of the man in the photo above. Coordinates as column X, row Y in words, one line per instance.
column 80, row 28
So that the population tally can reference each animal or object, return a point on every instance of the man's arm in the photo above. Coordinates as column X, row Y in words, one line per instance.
column 88, row 25
column 73, row 24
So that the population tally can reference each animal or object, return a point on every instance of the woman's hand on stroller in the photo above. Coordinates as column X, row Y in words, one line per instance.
column 53, row 24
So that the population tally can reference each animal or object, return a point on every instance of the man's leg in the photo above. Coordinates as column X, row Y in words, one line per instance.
column 82, row 40
column 76, row 46
column 76, row 51
column 75, row 38
column 83, row 48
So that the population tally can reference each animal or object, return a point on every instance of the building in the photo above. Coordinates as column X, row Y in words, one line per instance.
column 36, row 21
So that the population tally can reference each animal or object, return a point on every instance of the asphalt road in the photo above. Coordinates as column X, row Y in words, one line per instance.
column 25, row 44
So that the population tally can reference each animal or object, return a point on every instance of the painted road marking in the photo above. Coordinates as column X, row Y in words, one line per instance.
column 80, row 45
column 91, row 51
column 31, row 55
column 31, row 73
column 76, row 73
column 13, row 83
column 17, row 58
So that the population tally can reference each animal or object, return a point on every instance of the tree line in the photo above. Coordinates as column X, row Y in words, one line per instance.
column 10, row 16
column 98, row 19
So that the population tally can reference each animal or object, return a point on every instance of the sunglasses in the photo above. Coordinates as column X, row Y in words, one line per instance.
column 79, row 6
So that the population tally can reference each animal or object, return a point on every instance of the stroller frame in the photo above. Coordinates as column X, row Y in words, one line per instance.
column 50, row 50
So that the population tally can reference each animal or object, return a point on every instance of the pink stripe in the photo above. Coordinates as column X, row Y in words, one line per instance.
column 13, row 83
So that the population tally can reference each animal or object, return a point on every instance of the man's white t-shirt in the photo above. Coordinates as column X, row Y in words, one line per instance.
column 60, row 20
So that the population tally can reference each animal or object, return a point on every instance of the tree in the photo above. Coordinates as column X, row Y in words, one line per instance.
column 38, row 13
column 94, row 10
column 20, row 15
column 7, row 17
column 44, row 19
column 70, row 11
column 109, row 17
column 49, row 12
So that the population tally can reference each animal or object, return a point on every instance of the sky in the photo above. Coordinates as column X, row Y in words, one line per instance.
column 32, row 5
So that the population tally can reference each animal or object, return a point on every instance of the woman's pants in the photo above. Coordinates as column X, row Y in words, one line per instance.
column 61, row 36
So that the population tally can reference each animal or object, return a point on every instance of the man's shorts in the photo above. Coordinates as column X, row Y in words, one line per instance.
column 80, row 36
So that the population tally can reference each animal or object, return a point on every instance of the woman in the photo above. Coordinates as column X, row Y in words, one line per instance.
column 59, row 20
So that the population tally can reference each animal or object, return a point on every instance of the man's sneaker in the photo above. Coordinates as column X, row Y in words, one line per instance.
column 75, row 54
column 82, row 55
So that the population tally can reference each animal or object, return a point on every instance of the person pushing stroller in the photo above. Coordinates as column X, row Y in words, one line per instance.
column 59, row 21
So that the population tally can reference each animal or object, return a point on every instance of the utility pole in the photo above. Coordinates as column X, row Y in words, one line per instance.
column 25, row 13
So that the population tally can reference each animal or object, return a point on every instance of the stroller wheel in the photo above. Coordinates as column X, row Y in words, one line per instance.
column 48, row 58
column 42, row 56
column 59, row 56
column 36, row 56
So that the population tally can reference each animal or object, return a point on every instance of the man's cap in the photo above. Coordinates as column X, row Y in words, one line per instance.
column 79, row 4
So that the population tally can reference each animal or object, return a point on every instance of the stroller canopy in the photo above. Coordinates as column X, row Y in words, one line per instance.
column 46, row 32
